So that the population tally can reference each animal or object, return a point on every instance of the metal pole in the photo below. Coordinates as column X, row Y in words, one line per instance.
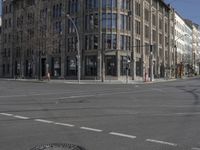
column 127, row 67
column 176, row 62
column 78, row 47
column 151, row 62
column 102, row 61
column 39, row 68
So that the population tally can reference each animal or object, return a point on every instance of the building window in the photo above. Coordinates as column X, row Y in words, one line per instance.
column 137, row 8
column 91, row 22
column 56, row 66
column 166, row 27
column 91, row 42
column 73, row 6
column 114, row 41
column 109, row 20
column 160, row 24
column 139, row 67
column 72, row 44
column 96, row 45
column 124, row 22
column 86, row 42
column 122, row 42
column 137, row 26
column 4, row 69
column 91, row 65
column 124, row 4
column 71, row 66
column 125, row 42
column 92, row 4
column 154, row 19
column 154, row 35
column 137, row 46
column 147, row 49
column 10, row 8
column 166, row 41
column 146, row 14
column 160, row 39
column 104, row 20
column 161, row 52
column 108, row 41
column 109, row 4
column 8, row 52
column 8, row 68
column 146, row 32
column 128, row 43
column 111, row 65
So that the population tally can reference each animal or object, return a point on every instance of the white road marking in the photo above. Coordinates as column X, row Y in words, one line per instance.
column 64, row 124
column 161, row 142
column 78, row 96
column 91, row 129
column 123, row 135
column 195, row 148
column 21, row 117
column 6, row 114
column 44, row 121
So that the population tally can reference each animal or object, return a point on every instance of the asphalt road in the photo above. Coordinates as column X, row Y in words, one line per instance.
column 162, row 116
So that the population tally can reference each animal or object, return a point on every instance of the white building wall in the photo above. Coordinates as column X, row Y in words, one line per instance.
column 183, row 40
column 188, row 44
column 179, row 36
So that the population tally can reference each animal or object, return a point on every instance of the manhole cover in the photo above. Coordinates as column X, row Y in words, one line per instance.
column 58, row 147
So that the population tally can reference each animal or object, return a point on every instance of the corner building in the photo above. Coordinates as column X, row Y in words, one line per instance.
column 115, row 38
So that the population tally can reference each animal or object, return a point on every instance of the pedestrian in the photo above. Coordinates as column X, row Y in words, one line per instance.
column 48, row 76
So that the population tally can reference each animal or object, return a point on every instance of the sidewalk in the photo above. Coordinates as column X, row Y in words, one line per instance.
column 98, row 81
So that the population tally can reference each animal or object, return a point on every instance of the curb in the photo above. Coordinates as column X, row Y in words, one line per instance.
column 98, row 82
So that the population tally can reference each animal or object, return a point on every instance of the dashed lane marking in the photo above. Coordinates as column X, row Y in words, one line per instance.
column 161, row 142
column 123, row 135
column 21, row 117
column 6, row 114
column 91, row 129
column 64, row 124
column 73, row 97
column 43, row 121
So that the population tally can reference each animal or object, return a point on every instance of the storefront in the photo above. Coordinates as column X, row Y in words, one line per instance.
column 91, row 65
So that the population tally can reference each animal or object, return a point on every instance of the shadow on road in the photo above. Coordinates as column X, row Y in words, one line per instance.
column 193, row 92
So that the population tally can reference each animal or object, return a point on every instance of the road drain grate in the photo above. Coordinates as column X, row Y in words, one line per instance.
column 58, row 147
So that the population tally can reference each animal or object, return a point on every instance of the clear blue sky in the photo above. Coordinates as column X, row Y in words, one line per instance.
column 189, row 9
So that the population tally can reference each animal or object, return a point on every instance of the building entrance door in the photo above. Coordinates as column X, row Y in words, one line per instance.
column 43, row 65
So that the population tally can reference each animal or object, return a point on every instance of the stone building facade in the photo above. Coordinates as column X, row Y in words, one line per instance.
column 115, row 39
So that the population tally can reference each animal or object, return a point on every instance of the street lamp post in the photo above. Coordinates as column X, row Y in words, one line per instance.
column 78, row 47
column 127, row 67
